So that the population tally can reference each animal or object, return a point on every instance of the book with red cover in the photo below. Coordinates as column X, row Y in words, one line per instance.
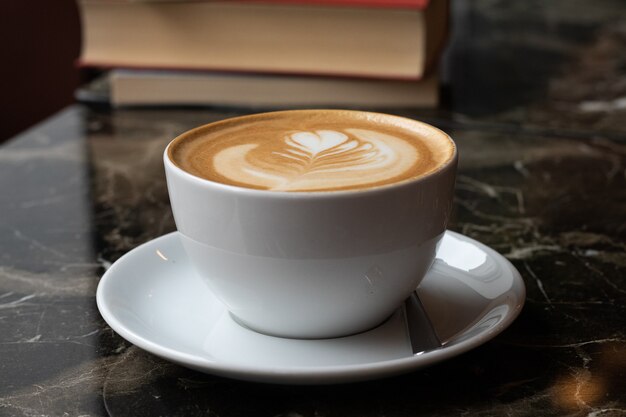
column 398, row 39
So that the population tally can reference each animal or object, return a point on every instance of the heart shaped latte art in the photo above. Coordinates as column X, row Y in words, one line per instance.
column 316, row 142
column 318, row 160
column 329, row 151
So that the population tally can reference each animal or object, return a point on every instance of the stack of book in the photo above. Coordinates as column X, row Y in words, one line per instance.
column 277, row 53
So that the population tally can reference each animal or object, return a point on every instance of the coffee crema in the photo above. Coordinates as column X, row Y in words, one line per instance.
column 312, row 150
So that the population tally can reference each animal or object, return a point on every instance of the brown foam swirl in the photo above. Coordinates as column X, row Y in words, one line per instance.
column 301, row 151
column 323, row 159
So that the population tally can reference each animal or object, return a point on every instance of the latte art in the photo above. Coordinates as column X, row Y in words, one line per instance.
column 317, row 160
column 311, row 150
column 328, row 151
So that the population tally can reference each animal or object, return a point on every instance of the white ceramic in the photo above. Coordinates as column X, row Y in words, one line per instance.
column 153, row 298
column 313, row 264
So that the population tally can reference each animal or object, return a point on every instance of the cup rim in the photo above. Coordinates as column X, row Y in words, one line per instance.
column 169, row 163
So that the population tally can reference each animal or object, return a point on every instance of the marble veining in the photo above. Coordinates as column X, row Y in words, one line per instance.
column 524, row 195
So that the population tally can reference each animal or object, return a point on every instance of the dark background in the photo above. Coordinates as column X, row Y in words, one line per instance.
column 39, row 43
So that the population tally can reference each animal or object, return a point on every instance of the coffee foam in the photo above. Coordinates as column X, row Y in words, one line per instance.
column 312, row 150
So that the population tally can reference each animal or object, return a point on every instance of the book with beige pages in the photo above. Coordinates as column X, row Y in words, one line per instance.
column 171, row 88
column 394, row 39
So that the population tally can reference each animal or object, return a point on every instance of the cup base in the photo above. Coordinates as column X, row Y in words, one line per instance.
column 245, row 325
column 311, row 298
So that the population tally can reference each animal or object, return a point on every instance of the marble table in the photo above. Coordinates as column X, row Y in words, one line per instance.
column 535, row 97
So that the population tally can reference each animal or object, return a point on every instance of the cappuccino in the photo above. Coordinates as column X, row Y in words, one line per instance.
column 304, row 259
column 312, row 150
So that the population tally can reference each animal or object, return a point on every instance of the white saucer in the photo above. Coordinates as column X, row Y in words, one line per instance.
column 153, row 298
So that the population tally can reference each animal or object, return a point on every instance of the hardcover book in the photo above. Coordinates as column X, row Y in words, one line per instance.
column 399, row 39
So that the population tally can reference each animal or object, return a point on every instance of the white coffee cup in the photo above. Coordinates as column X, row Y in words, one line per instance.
column 314, row 264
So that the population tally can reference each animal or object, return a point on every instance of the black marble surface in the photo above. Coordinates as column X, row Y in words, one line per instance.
column 536, row 101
